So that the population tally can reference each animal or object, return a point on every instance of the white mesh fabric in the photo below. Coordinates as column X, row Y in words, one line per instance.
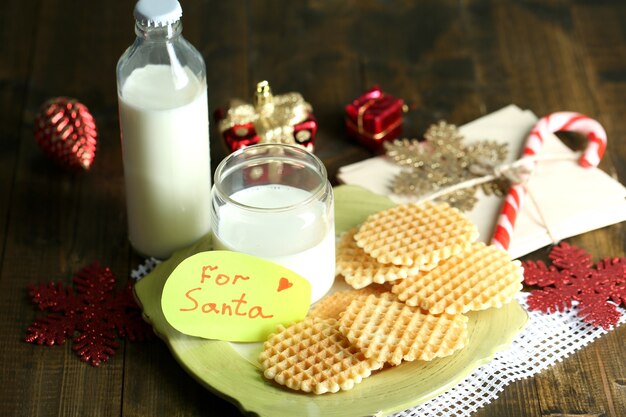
column 546, row 339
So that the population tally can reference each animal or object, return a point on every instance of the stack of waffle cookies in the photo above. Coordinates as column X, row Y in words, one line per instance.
column 416, row 269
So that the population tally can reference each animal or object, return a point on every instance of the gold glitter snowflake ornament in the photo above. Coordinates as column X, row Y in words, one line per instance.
column 443, row 160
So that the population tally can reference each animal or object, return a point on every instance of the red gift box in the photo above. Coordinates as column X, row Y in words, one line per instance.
column 374, row 118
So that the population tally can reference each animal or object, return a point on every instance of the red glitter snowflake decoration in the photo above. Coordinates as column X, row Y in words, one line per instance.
column 572, row 277
column 92, row 314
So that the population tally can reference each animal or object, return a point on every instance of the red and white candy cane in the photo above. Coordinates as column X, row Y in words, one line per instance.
column 554, row 122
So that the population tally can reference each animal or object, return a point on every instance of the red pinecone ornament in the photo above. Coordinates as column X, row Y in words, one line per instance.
column 66, row 131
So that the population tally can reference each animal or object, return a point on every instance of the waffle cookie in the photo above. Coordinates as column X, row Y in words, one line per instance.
column 416, row 234
column 360, row 270
column 313, row 356
column 331, row 306
column 388, row 330
column 480, row 278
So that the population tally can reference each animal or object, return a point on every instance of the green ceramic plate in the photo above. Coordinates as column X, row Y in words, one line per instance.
column 230, row 371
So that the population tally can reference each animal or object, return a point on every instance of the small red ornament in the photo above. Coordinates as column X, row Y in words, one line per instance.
column 92, row 314
column 572, row 277
column 374, row 118
column 285, row 118
column 66, row 131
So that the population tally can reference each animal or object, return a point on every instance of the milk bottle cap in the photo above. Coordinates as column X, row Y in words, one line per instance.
column 157, row 12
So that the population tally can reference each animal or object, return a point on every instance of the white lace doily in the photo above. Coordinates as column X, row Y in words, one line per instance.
column 144, row 269
column 546, row 339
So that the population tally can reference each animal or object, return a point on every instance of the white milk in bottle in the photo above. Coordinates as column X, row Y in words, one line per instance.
column 163, row 114
column 165, row 144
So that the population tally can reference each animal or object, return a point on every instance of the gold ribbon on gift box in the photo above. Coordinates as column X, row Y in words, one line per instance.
column 360, row 128
column 273, row 117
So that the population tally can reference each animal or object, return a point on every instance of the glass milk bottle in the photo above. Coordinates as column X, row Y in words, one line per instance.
column 164, row 124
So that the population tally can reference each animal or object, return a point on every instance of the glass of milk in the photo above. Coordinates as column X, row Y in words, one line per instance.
column 164, row 125
column 274, row 201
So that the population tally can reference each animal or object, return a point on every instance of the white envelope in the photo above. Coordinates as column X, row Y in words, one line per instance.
column 572, row 199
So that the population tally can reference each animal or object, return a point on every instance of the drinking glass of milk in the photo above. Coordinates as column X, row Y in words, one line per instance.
column 274, row 201
column 164, row 124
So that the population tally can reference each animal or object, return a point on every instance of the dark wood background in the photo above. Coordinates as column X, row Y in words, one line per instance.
column 450, row 59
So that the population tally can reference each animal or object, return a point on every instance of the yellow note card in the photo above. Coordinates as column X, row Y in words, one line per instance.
column 233, row 296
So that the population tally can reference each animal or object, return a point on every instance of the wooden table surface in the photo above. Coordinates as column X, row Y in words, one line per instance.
column 450, row 59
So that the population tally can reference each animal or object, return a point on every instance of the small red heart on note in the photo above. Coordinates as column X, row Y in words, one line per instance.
column 283, row 284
